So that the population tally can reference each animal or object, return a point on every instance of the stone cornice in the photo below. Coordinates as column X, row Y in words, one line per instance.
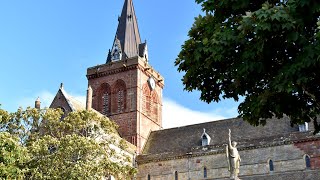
column 122, row 66
column 98, row 74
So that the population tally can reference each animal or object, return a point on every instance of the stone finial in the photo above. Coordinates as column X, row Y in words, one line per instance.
column 37, row 103
column 61, row 86
column 89, row 98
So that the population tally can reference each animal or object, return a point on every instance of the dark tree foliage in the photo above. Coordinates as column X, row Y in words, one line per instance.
column 265, row 51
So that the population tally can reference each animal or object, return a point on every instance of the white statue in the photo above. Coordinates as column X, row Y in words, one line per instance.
column 233, row 158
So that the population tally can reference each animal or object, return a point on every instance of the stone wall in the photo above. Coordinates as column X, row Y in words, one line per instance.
column 255, row 163
column 293, row 175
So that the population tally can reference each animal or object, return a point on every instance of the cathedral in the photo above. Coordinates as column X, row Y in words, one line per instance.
column 128, row 90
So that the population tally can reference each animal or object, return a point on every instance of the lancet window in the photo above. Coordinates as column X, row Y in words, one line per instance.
column 271, row 167
column 154, row 104
column 205, row 175
column 119, row 96
column 104, row 99
column 146, row 99
column 308, row 162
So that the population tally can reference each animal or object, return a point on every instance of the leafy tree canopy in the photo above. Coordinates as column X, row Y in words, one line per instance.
column 265, row 51
column 83, row 145
column 13, row 157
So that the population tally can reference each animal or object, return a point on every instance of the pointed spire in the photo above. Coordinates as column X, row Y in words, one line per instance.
column 127, row 36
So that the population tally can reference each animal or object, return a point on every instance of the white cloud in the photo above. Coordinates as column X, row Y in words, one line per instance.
column 175, row 115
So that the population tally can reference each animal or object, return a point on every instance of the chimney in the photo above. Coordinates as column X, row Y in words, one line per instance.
column 37, row 103
column 89, row 98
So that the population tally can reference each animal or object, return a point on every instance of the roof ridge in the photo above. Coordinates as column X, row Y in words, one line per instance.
column 180, row 127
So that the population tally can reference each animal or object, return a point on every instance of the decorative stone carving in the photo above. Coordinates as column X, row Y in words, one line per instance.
column 233, row 158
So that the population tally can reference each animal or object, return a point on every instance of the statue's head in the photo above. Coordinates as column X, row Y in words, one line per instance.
column 234, row 144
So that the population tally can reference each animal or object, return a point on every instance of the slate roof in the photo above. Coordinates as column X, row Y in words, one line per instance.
column 128, row 31
column 183, row 140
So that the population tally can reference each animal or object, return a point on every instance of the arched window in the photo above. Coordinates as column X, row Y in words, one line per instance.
column 64, row 113
column 205, row 175
column 176, row 175
column 149, row 177
column 154, row 105
column 119, row 96
column 146, row 102
column 308, row 162
column 105, row 99
column 120, row 103
column 271, row 168
column 205, row 138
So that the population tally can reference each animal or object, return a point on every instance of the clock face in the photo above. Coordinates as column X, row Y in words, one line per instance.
column 152, row 83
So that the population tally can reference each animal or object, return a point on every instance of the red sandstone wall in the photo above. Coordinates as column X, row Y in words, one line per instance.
column 134, row 124
column 312, row 148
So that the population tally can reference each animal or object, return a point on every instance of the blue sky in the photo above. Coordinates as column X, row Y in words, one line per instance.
column 44, row 43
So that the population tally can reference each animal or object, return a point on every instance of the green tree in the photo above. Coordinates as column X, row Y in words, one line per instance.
column 13, row 157
column 83, row 145
column 265, row 51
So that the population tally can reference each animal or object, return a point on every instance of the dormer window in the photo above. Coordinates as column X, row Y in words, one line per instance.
column 304, row 127
column 205, row 138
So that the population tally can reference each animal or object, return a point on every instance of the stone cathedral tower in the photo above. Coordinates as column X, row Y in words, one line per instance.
column 126, row 88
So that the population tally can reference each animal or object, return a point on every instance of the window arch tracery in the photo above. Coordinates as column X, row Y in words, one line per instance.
column 146, row 99
column 119, row 93
column 150, row 102
column 154, row 104
column 105, row 99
